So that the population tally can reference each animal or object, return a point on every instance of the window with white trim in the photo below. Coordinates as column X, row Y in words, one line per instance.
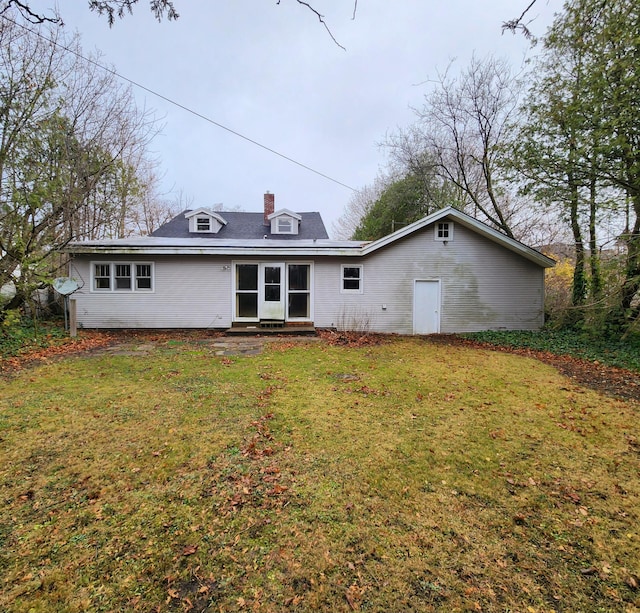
column 102, row 276
column 284, row 225
column 351, row 279
column 203, row 224
column 443, row 231
column 122, row 277
column 143, row 277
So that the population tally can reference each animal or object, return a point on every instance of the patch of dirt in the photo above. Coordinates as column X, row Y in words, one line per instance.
column 352, row 339
column 616, row 382
column 94, row 341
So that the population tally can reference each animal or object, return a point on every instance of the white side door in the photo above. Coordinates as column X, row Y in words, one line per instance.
column 426, row 307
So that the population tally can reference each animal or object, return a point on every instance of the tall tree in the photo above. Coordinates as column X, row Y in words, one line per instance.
column 403, row 201
column 580, row 146
column 461, row 132
column 70, row 142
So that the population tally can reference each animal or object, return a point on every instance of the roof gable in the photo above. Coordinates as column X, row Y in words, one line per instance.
column 286, row 212
column 207, row 212
column 204, row 221
column 468, row 222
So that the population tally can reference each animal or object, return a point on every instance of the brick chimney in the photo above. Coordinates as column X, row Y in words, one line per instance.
column 269, row 207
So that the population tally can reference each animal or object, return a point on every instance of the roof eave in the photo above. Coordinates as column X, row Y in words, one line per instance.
column 221, row 251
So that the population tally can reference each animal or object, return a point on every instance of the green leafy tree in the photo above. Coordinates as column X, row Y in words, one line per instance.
column 580, row 145
column 402, row 202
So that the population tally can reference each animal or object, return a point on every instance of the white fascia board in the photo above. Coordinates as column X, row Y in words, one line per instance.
column 168, row 246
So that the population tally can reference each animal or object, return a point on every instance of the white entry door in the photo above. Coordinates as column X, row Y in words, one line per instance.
column 272, row 294
column 426, row 307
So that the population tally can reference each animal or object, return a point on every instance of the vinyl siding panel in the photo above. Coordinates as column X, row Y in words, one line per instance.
column 483, row 286
column 189, row 292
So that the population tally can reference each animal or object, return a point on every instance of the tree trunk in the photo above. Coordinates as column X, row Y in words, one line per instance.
column 579, row 279
column 594, row 255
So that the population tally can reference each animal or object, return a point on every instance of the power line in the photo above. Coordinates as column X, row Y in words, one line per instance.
column 179, row 105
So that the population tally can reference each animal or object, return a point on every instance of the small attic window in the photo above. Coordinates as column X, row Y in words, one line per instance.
column 203, row 224
column 284, row 225
column 205, row 221
column 284, row 221
column 444, row 231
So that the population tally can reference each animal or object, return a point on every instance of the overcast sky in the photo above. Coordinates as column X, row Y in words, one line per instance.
column 272, row 73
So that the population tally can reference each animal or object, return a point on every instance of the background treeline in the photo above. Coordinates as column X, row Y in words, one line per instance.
column 550, row 156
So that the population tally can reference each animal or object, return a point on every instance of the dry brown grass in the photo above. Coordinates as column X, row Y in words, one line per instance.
column 396, row 477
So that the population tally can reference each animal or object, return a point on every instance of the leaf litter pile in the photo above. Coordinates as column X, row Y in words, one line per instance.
column 377, row 474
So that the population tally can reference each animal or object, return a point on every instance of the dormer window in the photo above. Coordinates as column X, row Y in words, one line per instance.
column 203, row 224
column 284, row 221
column 284, row 225
column 205, row 221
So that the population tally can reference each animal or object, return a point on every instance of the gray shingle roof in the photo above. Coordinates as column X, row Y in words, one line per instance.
column 244, row 226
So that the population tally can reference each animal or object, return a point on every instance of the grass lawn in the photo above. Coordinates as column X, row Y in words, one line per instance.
column 404, row 476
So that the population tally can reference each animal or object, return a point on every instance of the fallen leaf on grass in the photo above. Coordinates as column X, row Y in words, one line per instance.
column 172, row 594
column 354, row 596
column 189, row 550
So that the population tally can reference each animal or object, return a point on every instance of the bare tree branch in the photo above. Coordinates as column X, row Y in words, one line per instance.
column 28, row 14
column 117, row 9
column 321, row 20
column 515, row 25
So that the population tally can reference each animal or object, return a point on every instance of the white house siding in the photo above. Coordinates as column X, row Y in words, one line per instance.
column 189, row 292
column 483, row 286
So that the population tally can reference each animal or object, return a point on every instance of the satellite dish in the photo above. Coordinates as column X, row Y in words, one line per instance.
column 65, row 285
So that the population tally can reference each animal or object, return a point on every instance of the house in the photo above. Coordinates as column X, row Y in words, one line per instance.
column 205, row 269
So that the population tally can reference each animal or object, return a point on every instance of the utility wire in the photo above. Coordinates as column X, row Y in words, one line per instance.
column 178, row 104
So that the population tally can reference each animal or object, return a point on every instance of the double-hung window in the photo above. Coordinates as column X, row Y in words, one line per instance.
column 203, row 224
column 102, row 276
column 121, row 277
column 285, row 225
column 143, row 277
column 351, row 279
